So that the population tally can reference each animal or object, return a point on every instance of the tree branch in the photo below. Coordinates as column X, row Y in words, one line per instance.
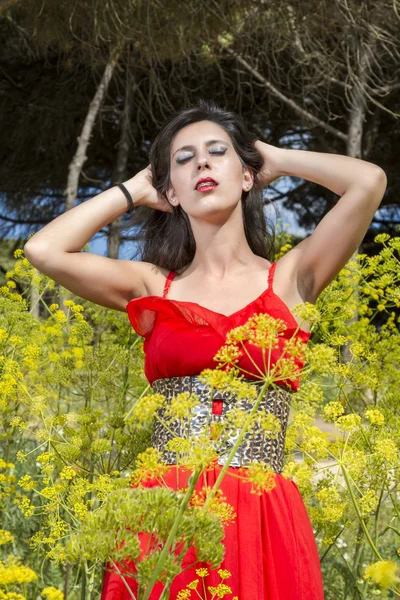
column 295, row 107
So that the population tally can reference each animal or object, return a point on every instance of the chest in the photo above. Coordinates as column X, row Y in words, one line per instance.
column 231, row 299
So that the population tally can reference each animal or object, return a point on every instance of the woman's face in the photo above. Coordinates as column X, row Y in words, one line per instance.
column 204, row 150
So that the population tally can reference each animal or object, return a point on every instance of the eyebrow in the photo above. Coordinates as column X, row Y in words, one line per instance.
column 209, row 143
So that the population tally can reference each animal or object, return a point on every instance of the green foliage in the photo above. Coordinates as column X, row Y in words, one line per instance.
column 76, row 423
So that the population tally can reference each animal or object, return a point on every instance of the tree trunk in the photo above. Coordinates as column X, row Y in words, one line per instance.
column 120, row 171
column 80, row 156
column 34, row 300
column 355, row 138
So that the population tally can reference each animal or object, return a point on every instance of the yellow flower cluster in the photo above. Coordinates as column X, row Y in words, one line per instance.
column 368, row 502
column 19, row 423
column 348, row 423
column 6, row 537
column 307, row 312
column 333, row 410
column 261, row 477
column 179, row 445
column 145, row 409
column 221, row 590
column 45, row 458
column 332, row 507
column 315, row 442
column 148, row 465
column 201, row 452
column 13, row 572
column 282, row 250
column 26, row 507
column 375, row 416
column 67, row 473
column 52, row 593
column 11, row 596
column 224, row 380
column 383, row 572
column 387, row 449
column 181, row 406
column 269, row 423
column 301, row 472
column 5, row 465
column 218, row 505
column 27, row 483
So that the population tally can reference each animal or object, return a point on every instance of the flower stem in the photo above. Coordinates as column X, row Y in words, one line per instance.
column 165, row 551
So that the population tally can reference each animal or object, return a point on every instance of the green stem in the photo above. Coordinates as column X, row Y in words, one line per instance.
column 357, row 509
column 131, row 594
column 165, row 551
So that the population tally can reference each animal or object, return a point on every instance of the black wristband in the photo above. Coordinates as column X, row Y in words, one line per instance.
column 127, row 196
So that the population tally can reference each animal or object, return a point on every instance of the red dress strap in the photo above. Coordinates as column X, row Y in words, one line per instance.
column 170, row 277
column 271, row 276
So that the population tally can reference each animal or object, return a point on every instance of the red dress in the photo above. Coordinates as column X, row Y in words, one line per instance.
column 271, row 551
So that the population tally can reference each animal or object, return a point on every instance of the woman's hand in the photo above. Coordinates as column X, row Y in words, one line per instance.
column 144, row 193
column 271, row 168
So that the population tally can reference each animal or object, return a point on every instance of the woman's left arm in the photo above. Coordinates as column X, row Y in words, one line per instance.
column 360, row 184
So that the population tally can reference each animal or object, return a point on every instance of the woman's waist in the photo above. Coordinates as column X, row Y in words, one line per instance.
column 221, row 415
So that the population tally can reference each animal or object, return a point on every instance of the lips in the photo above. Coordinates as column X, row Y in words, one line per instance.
column 206, row 180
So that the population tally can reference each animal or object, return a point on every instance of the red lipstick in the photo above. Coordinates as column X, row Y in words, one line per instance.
column 206, row 184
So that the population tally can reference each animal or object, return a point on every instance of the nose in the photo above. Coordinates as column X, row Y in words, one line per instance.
column 202, row 163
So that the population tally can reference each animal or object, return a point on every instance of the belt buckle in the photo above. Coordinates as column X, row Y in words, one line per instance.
column 216, row 409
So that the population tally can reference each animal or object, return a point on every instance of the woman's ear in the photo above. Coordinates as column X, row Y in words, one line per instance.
column 248, row 180
column 171, row 196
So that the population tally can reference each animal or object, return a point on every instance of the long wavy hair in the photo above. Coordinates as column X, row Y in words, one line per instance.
column 167, row 238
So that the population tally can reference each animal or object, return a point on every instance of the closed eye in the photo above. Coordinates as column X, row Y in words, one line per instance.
column 184, row 159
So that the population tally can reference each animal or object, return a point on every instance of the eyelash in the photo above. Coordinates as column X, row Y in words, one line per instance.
column 181, row 161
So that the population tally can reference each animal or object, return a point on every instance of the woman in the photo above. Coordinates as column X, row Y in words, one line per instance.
column 206, row 269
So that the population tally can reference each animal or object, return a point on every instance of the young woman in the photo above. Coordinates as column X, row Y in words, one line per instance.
column 206, row 268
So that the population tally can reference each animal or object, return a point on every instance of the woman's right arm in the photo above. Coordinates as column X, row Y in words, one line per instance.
column 55, row 250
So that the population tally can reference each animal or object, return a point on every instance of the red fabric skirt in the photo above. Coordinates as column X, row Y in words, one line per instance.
column 270, row 549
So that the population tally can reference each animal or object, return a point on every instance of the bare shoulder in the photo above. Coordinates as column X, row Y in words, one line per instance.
column 288, row 279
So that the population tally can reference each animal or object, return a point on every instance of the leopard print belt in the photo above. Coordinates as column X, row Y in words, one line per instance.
column 256, row 445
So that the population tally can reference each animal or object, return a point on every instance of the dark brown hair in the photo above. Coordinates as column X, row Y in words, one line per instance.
column 168, row 239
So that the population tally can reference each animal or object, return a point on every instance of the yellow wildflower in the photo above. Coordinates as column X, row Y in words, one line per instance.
column 52, row 593
column 148, row 465
column 348, row 422
column 332, row 508
column 375, row 416
column 60, row 316
column 333, row 410
column 16, row 573
column 387, row 449
column 6, row 537
column 261, row 477
column 383, row 572
column 224, row 574
column 220, row 590
column 67, row 473
column 368, row 502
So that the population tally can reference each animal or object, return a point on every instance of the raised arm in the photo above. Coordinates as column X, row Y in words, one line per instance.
column 360, row 185
column 55, row 250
